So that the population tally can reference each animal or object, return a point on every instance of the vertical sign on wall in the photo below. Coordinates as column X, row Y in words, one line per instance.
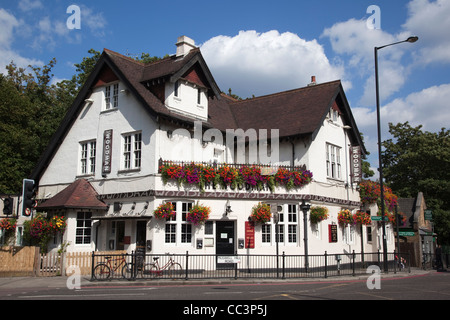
column 249, row 235
column 355, row 164
column 332, row 233
column 107, row 151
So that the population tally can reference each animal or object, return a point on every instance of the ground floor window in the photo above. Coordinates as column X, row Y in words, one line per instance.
column 83, row 229
column 177, row 229
column 286, row 230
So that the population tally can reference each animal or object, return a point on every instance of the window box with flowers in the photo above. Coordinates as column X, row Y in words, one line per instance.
column 164, row 211
column 318, row 214
column 261, row 213
column 345, row 217
column 198, row 214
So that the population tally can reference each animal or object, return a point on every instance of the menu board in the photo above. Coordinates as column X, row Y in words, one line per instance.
column 249, row 235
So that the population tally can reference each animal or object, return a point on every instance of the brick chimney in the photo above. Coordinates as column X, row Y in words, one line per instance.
column 313, row 81
column 184, row 45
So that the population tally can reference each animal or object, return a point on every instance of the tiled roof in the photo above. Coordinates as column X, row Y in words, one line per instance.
column 78, row 195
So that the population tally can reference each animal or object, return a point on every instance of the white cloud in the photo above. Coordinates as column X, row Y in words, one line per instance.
column 430, row 20
column 28, row 5
column 8, row 24
column 355, row 41
column 263, row 63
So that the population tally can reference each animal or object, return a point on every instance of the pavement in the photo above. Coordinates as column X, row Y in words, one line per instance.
column 85, row 281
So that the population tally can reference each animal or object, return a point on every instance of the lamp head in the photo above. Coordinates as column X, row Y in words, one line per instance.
column 412, row 39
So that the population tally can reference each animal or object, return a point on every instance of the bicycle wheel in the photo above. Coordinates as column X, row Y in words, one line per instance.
column 150, row 270
column 127, row 271
column 102, row 272
column 175, row 271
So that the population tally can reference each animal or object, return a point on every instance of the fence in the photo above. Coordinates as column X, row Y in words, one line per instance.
column 200, row 266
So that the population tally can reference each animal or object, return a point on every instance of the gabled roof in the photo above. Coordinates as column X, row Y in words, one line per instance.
column 295, row 113
column 78, row 195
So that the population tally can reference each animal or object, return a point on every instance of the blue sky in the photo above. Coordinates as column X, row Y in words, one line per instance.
column 261, row 47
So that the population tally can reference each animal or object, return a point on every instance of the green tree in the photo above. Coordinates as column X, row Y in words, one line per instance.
column 420, row 161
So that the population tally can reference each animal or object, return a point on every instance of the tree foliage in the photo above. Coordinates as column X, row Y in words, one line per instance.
column 31, row 109
column 420, row 161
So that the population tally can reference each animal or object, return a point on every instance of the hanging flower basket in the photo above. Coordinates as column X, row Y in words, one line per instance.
column 198, row 214
column 345, row 217
column 8, row 224
column 362, row 218
column 318, row 214
column 57, row 224
column 164, row 211
column 261, row 213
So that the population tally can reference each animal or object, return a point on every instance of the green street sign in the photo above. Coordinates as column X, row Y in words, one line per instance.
column 378, row 218
column 406, row 233
column 428, row 214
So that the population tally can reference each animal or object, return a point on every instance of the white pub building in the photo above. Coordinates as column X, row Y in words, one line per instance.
column 117, row 155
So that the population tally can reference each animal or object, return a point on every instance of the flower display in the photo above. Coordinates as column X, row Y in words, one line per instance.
column 164, row 211
column 370, row 191
column 198, row 214
column 345, row 217
column 261, row 213
column 362, row 218
column 57, row 224
column 228, row 175
column 39, row 227
column 318, row 213
column 8, row 224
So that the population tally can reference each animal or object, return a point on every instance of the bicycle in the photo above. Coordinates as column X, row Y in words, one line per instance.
column 103, row 271
column 174, row 269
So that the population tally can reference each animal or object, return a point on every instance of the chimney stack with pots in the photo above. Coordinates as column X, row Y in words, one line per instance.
column 184, row 45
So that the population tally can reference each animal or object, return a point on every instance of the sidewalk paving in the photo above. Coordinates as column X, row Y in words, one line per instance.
column 85, row 281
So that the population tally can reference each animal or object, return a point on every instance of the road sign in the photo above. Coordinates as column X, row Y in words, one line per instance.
column 428, row 214
column 378, row 218
column 228, row 259
column 406, row 233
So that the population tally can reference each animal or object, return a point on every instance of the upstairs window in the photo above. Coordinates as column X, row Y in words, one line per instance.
column 333, row 161
column 132, row 151
column 112, row 96
column 87, row 157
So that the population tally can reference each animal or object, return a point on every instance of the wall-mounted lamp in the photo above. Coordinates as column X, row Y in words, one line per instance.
column 228, row 208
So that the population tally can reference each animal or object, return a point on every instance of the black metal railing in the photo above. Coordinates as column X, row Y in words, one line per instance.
column 211, row 266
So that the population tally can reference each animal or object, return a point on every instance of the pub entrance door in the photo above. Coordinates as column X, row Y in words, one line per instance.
column 225, row 242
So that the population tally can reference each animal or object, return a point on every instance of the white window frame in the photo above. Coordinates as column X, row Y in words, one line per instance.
column 132, row 150
column 82, row 225
column 349, row 231
column 88, row 150
column 288, row 228
column 112, row 96
column 333, row 161
column 183, row 231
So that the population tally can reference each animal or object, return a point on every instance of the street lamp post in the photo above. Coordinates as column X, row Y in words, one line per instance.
column 305, row 208
column 380, row 164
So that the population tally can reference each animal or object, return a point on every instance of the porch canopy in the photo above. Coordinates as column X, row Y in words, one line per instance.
column 78, row 195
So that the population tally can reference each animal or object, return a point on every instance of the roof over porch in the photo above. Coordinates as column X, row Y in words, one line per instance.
column 78, row 195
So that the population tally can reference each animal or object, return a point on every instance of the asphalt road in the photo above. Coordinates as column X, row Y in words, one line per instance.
column 429, row 286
